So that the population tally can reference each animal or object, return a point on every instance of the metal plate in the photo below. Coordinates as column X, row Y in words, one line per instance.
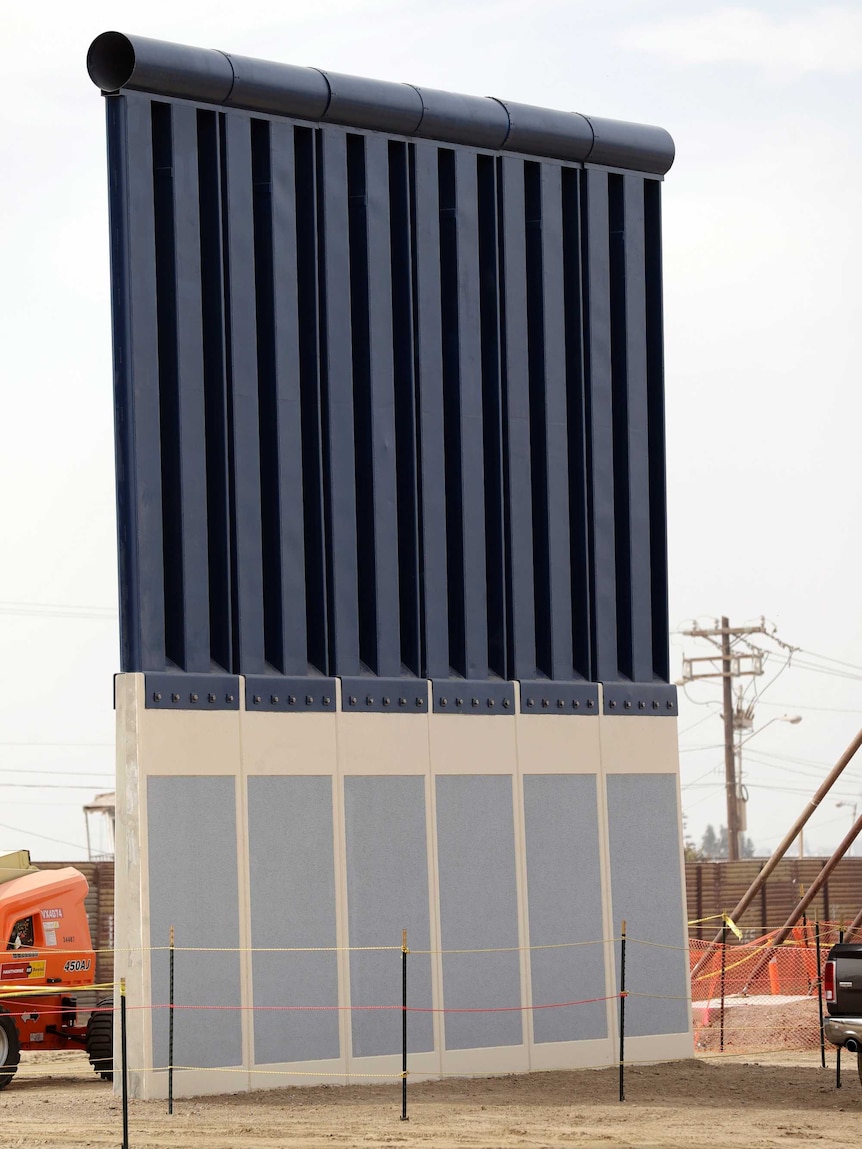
column 654, row 699
column 294, row 695
column 385, row 695
column 191, row 691
column 463, row 696
column 559, row 698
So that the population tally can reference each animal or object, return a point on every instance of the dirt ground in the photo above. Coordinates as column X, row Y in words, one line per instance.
column 734, row 1101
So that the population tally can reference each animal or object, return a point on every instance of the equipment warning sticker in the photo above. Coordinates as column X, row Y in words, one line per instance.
column 22, row 970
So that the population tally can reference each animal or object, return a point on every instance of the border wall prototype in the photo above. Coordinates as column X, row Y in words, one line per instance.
column 391, row 503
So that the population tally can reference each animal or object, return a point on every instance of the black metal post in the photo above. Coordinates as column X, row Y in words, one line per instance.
column 123, row 1053
column 723, row 970
column 404, row 953
column 820, row 994
column 623, row 1012
column 171, row 1026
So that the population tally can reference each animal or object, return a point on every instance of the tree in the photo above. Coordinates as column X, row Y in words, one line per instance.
column 714, row 846
column 690, row 851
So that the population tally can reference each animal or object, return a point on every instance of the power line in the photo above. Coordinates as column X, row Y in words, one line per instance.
column 61, row 773
column 47, row 786
column 65, row 745
column 56, row 610
column 45, row 837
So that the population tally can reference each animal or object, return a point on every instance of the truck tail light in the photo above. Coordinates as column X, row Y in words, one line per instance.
column 829, row 980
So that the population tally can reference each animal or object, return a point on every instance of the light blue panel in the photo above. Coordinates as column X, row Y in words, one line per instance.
column 647, row 892
column 292, row 873
column 193, row 886
column 387, row 892
column 564, row 892
column 478, row 909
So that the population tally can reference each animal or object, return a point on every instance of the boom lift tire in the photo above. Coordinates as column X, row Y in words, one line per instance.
column 10, row 1048
column 100, row 1038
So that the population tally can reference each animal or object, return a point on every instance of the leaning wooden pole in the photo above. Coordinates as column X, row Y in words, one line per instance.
column 812, row 892
column 785, row 844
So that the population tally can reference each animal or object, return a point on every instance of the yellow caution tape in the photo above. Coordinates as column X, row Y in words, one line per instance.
column 728, row 921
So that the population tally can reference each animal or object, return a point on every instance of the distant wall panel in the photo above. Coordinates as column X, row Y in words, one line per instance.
column 292, row 890
column 478, row 909
column 387, row 892
column 192, row 834
column 564, row 895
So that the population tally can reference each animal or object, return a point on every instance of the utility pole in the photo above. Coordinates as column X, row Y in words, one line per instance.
column 730, row 783
column 727, row 667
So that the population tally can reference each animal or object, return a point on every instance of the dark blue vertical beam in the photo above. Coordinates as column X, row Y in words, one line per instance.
column 469, row 367
column 429, row 391
column 655, row 392
column 287, row 476
column 190, row 372
column 556, row 424
column 638, row 431
column 579, row 530
column 381, row 375
column 406, row 428
column 307, row 234
column 494, row 416
column 136, row 383
column 166, row 318
column 337, row 376
column 521, row 604
column 215, row 388
column 599, row 403
column 247, row 557
column 620, row 400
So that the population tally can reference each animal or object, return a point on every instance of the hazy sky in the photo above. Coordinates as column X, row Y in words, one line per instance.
column 762, row 236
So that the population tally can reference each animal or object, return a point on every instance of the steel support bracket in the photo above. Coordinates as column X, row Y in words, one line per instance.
column 465, row 696
column 545, row 697
column 293, row 695
column 641, row 698
column 384, row 695
column 183, row 691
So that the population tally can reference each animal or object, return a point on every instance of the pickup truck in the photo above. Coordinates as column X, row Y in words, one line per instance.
column 842, row 990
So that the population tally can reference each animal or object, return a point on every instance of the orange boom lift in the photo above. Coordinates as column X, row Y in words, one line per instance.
column 48, row 955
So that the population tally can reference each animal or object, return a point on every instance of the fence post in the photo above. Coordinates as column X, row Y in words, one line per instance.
column 171, row 1024
column 123, row 1052
column 820, row 994
column 404, row 952
column 623, row 1011
column 723, row 970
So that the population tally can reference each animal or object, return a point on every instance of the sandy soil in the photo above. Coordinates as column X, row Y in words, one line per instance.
column 745, row 1103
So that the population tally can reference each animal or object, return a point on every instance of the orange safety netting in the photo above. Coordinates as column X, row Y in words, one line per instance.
column 752, row 995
